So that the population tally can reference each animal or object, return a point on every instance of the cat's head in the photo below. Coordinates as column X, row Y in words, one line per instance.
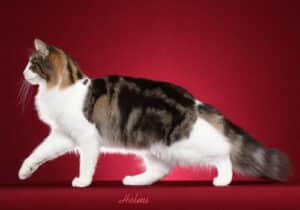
column 50, row 66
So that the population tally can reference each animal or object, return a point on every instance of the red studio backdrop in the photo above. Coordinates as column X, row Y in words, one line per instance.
column 241, row 56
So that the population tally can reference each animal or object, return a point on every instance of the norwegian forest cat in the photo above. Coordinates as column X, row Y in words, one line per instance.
column 161, row 122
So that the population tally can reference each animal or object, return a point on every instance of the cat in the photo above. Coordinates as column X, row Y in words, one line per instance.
column 158, row 121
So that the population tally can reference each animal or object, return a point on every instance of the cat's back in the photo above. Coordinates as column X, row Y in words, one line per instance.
column 137, row 112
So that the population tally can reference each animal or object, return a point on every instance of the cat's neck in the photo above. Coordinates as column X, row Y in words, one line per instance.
column 67, row 95
column 43, row 88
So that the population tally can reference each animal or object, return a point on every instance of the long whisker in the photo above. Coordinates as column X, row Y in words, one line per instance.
column 23, row 94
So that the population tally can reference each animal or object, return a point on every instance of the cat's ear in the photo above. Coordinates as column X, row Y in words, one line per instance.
column 41, row 47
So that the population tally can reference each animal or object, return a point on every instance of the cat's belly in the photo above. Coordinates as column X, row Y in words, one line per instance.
column 121, row 150
column 204, row 145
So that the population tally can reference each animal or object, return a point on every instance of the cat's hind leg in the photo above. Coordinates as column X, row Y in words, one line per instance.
column 155, row 169
column 224, row 168
column 56, row 144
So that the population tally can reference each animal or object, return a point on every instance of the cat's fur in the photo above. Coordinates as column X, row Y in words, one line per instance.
column 159, row 121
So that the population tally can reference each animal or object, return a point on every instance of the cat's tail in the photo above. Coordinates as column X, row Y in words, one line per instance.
column 247, row 155
column 250, row 158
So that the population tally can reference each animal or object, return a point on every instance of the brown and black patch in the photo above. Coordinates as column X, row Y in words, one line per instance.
column 96, row 89
column 55, row 67
column 140, row 111
column 73, row 72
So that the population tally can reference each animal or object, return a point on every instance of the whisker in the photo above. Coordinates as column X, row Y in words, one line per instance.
column 23, row 94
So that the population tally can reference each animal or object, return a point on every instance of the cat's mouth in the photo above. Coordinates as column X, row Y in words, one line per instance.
column 31, row 79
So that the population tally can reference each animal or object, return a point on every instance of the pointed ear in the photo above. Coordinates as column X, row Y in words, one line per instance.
column 41, row 47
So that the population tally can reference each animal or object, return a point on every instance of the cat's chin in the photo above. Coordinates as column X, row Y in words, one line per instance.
column 33, row 81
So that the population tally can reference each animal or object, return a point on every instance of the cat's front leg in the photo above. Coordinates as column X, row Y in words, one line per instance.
column 89, row 153
column 54, row 145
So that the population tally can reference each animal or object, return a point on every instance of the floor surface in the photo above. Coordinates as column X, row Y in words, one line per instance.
column 183, row 195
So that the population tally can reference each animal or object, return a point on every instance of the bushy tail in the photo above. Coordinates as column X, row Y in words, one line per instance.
column 253, row 159
column 248, row 156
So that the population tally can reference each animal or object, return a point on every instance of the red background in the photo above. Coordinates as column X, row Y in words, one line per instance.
column 241, row 56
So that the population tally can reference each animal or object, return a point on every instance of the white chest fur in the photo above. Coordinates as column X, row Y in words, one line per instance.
column 63, row 109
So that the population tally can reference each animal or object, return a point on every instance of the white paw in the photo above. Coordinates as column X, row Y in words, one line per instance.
column 79, row 182
column 26, row 170
column 136, row 180
column 221, row 181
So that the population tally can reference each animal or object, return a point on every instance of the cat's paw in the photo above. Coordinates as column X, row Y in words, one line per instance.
column 136, row 181
column 79, row 182
column 221, row 181
column 26, row 170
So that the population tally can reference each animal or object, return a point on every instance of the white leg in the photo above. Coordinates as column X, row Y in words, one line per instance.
column 155, row 170
column 56, row 144
column 224, row 168
column 89, row 152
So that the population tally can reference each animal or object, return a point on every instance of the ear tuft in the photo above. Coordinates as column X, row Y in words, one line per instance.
column 41, row 47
